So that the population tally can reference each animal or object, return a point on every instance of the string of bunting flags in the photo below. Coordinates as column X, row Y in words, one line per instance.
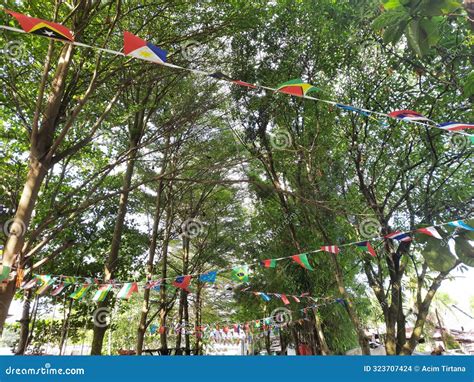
column 134, row 46
column 240, row 274
column 225, row 329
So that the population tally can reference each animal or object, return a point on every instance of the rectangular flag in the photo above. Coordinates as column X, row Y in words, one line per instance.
column 30, row 284
column 127, row 290
column 58, row 289
column 430, row 231
column 240, row 274
column 365, row 245
column 330, row 248
column 209, row 277
column 80, row 293
column 5, row 272
column 400, row 236
column 269, row 263
column 296, row 299
column 182, row 282
column 265, row 297
column 102, row 292
column 48, row 282
column 285, row 299
column 42, row 27
column 302, row 260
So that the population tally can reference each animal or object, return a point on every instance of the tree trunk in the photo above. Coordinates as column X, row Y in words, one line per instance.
column 320, row 335
column 112, row 260
column 363, row 342
column 151, row 257
column 65, row 327
column 25, row 323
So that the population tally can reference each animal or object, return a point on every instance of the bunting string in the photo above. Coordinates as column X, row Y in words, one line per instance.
column 239, row 273
column 138, row 48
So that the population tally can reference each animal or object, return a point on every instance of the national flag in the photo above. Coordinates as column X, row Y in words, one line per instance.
column 296, row 87
column 154, row 285
column 48, row 282
column 285, row 299
column 127, row 290
column 136, row 47
column 302, row 259
column 42, row 27
column 30, row 284
column 240, row 274
column 80, row 293
column 460, row 224
column 400, row 236
column 162, row 330
column 1, row 249
column 102, row 292
column 330, row 248
column 265, row 297
column 182, row 282
column 354, row 109
column 365, row 245
column 5, row 272
column 430, row 231
column 209, row 277
column 455, row 126
column 153, row 328
column 408, row 115
column 269, row 263
column 222, row 76
column 58, row 289
column 296, row 299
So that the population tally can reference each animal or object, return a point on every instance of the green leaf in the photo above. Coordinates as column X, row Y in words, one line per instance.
column 437, row 254
column 469, row 85
column 417, row 38
column 431, row 29
column 464, row 250
column 391, row 4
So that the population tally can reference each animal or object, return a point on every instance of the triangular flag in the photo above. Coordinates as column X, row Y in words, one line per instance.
column 58, row 289
column 296, row 87
column 102, row 292
column 366, row 246
column 460, row 224
column 302, row 260
column 330, row 248
column 269, row 263
column 136, row 47
column 430, row 231
column 127, row 290
column 42, row 27
column 296, row 299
